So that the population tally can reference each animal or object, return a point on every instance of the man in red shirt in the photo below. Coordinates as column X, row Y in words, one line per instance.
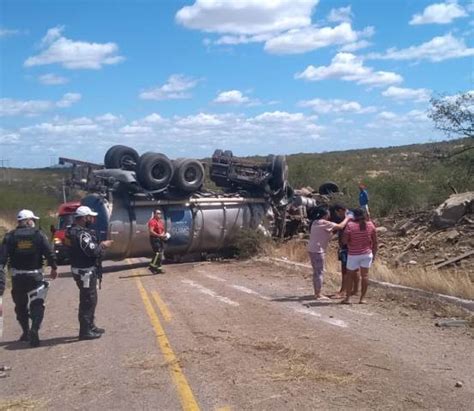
column 156, row 229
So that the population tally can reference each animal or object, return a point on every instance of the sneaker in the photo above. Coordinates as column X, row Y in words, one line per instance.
column 34, row 338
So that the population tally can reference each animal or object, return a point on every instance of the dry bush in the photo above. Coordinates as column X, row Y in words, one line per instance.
column 451, row 282
column 21, row 404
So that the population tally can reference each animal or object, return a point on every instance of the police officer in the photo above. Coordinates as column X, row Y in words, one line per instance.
column 85, row 250
column 24, row 249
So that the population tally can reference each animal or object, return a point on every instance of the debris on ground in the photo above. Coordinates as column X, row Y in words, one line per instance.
column 419, row 238
column 452, row 323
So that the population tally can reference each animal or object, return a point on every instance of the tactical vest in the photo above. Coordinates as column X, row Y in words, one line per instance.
column 79, row 254
column 24, row 249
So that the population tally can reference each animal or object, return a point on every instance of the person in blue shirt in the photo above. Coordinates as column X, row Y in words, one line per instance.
column 364, row 198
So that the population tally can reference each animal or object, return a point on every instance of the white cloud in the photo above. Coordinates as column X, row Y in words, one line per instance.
column 8, row 32
column 51, row 79
column 399, row 93
column 200, row 120
column 386, row 115
column 310, row 38
column 153, row 118
column 107, row 118
column 131, row 129
column 279, row 117
column 195, row 135
column 231, row 97
column 336, row 106
column 248, row 17
column 230, row 40
column 68, row 100
column 410, row 121
column 348, row 67
column 358, row 45
column 437, row 49
column 57, row 49
column 12, row 107
column 283, row 25
column 439, row 13
column 177, row 87
column 61, row 127
column 342, row 14
column 198, row 135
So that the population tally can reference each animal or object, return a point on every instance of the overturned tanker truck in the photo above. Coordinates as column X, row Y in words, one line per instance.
column 125, row 191
column 128, row 187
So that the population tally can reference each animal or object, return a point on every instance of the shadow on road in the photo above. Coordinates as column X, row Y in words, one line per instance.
column 294, row 298
column 124, row 267
column 110, row 269
column 122, row 277
column 21, row 345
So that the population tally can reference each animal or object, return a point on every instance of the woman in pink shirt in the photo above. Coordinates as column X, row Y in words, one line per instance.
column 361, row 239
column 320, row 235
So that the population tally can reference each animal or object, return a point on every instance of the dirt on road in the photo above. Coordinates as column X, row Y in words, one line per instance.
column 236, row 335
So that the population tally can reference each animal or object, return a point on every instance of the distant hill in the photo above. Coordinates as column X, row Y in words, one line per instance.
column 398, row 177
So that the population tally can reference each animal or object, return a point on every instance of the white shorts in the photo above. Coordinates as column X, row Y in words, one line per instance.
column 354, row 262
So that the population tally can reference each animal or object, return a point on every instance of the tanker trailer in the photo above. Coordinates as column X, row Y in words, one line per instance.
column 197, row 224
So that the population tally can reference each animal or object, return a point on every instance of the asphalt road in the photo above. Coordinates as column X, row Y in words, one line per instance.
column 230, row 336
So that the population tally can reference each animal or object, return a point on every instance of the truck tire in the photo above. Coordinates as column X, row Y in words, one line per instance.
column 328, row 188
column 122, row 157
column 154, row 171
column 270, row 161
column 217, row 154
column 280, row 173
column 188, row 174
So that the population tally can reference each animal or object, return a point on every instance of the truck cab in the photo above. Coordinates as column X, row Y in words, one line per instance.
column 65, row 218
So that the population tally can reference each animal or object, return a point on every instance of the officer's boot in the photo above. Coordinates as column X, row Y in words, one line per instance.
column 86, row 331
column 25, row 326
column 37, row 314
column 96, row 329
column 34, row 337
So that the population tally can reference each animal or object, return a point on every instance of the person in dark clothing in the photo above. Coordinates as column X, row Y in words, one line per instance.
column 23, row 250
column 85, row 250
column 364, row 198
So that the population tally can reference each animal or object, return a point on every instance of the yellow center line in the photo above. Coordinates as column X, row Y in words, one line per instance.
column 188, row 402
column 162, row 306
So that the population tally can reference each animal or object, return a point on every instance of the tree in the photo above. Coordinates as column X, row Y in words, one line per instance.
column 454, row 115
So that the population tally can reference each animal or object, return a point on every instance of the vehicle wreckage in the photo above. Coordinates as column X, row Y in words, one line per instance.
column 128, row 187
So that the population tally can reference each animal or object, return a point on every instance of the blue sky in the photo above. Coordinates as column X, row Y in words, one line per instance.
column 253, row 76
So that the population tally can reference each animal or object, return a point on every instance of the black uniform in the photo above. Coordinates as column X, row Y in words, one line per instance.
column 24, row 250
column 84, row 255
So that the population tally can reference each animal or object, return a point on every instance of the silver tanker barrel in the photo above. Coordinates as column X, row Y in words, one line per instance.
column 196, row 224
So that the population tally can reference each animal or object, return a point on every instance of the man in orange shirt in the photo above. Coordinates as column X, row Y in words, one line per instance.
column 156, row 229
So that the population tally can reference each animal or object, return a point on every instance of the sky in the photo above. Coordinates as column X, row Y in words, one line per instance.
column 184, row 78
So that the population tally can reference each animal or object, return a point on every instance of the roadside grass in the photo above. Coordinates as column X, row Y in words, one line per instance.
column 38, row 190
column 21, row 404
column 449, row 281
column 398, row 178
